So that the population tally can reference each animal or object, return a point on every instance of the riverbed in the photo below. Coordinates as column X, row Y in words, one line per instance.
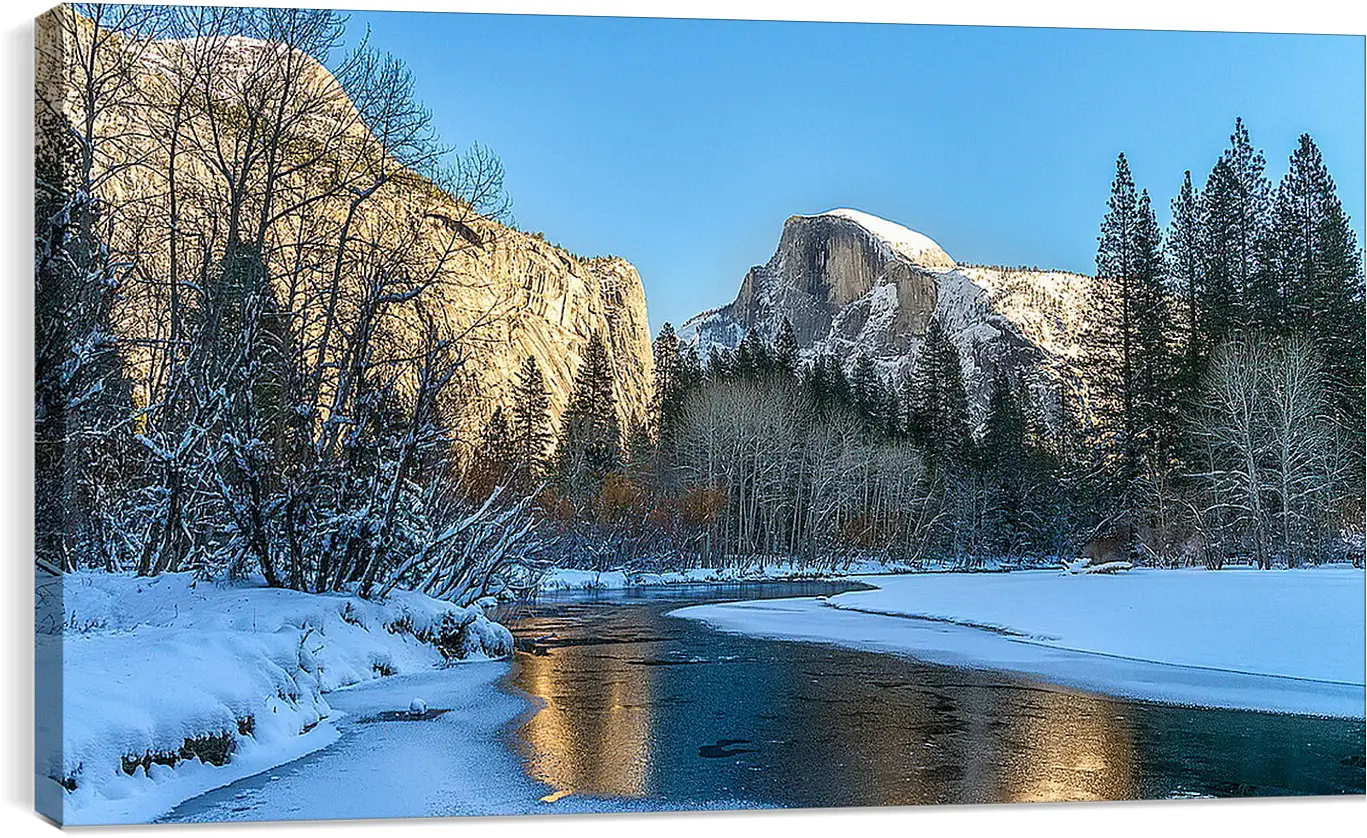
column 613, row 705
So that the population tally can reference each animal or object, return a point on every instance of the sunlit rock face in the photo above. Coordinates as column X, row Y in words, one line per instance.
column 547, row 303
column 854, row 283
column 507, row 294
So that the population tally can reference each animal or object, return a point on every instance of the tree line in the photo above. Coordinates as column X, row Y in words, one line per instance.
column 756, row 455
column 1217, row 415
column 1225, row 365
column 246, row 360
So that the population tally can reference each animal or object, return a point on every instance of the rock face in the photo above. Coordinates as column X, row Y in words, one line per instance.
column 854, row 283
column 554, row 302
column 510, row 294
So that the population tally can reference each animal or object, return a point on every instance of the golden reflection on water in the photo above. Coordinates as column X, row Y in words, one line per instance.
column 1080, row 749
column 952, row 737
column 601, row 746
column 838, row 728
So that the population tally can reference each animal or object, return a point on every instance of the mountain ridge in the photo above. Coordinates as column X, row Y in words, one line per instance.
column 854, row 283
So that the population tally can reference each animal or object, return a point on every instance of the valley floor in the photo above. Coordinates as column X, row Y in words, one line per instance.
column 1280, row 641
column 154, row 691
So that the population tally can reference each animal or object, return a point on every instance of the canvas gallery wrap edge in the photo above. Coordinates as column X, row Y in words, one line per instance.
column 455, row 414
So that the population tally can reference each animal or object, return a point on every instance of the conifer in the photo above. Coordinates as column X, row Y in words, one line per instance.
column 530, row 421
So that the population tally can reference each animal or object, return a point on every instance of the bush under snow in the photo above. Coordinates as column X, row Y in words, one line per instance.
column 164, row 677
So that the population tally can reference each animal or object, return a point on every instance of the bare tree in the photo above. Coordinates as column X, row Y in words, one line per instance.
column 1269, row 444
column 1299, row 431
column 1235, row 416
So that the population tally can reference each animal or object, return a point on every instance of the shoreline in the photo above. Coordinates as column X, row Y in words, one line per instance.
column 984, row 645
column 564, row 580
column 524, row 793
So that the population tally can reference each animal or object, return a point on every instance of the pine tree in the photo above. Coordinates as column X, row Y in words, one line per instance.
column 530, row 422
column 866, row 392
column 939, row 402
column 1112, row 347
column 1004, row 459
column 1153, row 327
column 691, row 374
column 889, row 410
column 1185, row 280
column 721, row 363
column 752, row 356
column 950, row 429
column 590, row 437
column 669, row 383
column 814, row 382
column 497, row 449
column 838, row 390
column 785, row 347
column 1319, row 268
column 1234, row 206
column 939, row 426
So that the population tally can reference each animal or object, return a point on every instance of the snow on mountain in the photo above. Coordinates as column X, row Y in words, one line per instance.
column 855, row 283
column 1045, row 305
column 915, row 247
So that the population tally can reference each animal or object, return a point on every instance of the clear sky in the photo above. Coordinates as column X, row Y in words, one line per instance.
column 683, row 145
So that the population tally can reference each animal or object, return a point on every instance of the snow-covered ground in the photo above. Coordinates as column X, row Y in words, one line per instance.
column 567, row 579
column 162, row 677
column 455, row 761
column 450, row 761
column 1281, row 641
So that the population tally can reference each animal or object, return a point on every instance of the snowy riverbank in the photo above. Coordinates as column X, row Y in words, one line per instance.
column 777, row 570
column 1281, row 641
column 170, row 688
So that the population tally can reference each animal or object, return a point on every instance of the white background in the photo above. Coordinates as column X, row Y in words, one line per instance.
column 1208, row 818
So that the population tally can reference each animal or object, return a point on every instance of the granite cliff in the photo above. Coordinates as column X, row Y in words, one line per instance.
column 510, row 293
column 854, row 283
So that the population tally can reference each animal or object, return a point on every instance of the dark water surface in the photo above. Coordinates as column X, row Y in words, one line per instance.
column 645, row 707
column 636, row 710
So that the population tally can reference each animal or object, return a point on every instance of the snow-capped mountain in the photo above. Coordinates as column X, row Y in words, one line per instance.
column 852, row 282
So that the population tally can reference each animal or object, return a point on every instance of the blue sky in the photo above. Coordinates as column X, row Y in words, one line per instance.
column 683, row 145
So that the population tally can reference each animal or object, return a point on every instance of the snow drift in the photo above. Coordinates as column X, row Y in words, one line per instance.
column 170, row 686
column 1280, row 641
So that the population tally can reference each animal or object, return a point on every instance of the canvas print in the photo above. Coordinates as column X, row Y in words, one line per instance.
column 463, row 414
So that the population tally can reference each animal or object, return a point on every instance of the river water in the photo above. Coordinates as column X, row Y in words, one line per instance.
column 632, row 709
column 639, row 704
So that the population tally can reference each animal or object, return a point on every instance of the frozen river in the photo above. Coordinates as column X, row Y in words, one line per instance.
column 613, row 705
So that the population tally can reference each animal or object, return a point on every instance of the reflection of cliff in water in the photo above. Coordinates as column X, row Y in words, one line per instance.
column 941, row 736
column 638, row 704
column 1067, row 746
column 594, row 733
